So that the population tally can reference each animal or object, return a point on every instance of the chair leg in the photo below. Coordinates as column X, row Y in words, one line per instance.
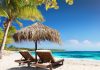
column 50, row 67
column 19, row 64
column 62, row 63
column 28, row 64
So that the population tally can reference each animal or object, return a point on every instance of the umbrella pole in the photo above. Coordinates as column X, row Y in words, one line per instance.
column 35, row 51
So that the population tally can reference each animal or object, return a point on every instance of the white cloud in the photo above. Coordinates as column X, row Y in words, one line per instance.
column 74, row 42
column 86, row 42
column 83, row 45
column 98, row 44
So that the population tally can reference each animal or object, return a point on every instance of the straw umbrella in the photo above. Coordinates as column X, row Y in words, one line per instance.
column 36, row 33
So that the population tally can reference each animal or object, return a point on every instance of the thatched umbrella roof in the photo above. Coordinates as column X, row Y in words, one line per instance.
column 37, row 32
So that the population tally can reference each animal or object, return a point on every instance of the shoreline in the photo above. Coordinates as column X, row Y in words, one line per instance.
column 82, row 59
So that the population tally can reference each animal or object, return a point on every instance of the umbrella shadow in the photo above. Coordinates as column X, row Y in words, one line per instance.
column 27, row 68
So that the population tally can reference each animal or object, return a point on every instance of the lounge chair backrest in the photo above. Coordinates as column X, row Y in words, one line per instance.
column 27, row 55
column 45, row 55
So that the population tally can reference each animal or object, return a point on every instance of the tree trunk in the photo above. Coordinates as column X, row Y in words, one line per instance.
column 9, row 21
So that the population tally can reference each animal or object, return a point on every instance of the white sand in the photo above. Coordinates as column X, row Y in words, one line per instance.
column 7, row 63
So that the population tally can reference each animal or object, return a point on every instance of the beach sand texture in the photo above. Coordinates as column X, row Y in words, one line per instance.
column 7, row 63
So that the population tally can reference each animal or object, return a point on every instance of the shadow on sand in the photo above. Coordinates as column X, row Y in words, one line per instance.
column 31, row 68
column 26, row 68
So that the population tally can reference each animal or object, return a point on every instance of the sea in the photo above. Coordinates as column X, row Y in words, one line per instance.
column 94, row 55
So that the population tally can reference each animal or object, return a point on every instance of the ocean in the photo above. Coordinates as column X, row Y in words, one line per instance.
column 95, row 55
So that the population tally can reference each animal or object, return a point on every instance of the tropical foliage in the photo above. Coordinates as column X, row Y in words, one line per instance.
column 12, row 30
column 19, row 9
column 26, row 9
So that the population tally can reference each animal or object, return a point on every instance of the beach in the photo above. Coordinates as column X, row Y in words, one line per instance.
column 7, row 63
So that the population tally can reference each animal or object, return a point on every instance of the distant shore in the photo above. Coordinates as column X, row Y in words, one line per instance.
column 13, row 48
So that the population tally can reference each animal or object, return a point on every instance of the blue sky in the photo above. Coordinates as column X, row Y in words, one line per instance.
column 79, row 26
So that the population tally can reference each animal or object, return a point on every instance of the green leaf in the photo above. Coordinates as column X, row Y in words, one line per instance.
column 51, row 4
column 30, row 13
column 3, row 12
column 19, row 23
column 70, row 2
column 11, row 31
column 47, row 6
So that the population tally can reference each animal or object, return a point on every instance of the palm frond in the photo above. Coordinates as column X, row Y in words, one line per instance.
column 3, row 12
column 69, row 2
column 30, row 13
column 19, row 23
column 51, row 4
column 11, row 31
column 9, row 40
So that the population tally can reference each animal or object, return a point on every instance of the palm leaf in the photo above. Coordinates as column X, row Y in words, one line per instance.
column 3, row 12
column 19, row 23
column 9, row 40
column 12, row 30
column 69, row 2
column 30, row 13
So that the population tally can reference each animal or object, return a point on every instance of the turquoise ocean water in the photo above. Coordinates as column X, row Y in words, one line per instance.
column 95, row 55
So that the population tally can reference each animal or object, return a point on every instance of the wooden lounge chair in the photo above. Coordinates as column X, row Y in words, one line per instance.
column 26, row 58
column 47, row 59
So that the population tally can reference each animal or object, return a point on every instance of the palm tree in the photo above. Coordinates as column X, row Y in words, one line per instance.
column 24, row 9
column 14, row 9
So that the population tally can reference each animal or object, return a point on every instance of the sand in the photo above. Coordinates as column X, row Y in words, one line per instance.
column 7, row 63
